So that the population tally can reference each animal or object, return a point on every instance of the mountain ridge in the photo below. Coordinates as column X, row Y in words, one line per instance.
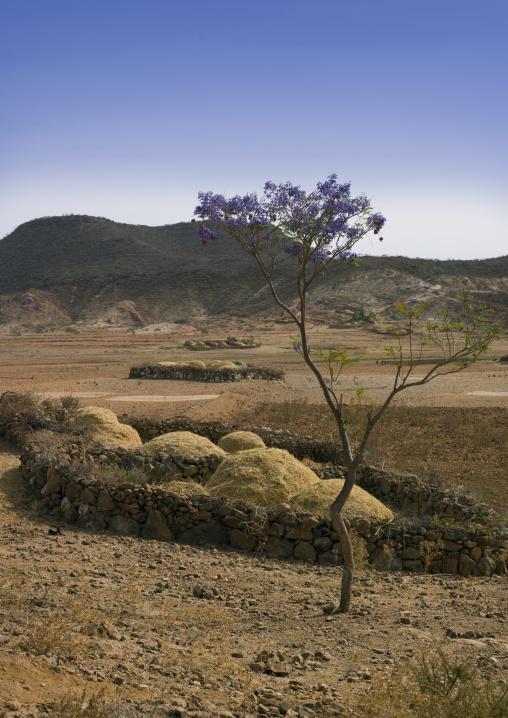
column 78, row 268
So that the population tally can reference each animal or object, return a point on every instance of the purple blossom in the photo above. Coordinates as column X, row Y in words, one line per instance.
column 315, row 227
column 206, row 234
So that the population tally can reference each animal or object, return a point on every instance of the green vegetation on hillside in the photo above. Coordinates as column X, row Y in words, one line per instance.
column 92, row 263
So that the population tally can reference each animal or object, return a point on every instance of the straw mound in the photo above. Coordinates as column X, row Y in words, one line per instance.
column 262, row 477
column 317, row 499
column 191, row 362
column 104, row 427
column 241, row 441
column 184, row 443
column 184, row 488
column 220, row 364
column 183, row 364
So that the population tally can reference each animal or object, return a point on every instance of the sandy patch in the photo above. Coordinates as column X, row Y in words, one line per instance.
column 194, row 397
column 488, row 393
column 77, row 394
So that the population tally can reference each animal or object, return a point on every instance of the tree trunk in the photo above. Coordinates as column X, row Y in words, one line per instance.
column 345, row 540
column 349, row 562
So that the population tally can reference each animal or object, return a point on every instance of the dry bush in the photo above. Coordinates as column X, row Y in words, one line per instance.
column 69, row 402
column 112, row 474
column 360, row 552
column 100, row 705
column 435, row 687
column 318, row 497
column 241, row 441
column 13, row 407
column 261, row 477
column 51, row 634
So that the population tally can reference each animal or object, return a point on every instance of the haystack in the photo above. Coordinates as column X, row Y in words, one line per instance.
column 241, row 441
column 104, row 427
column 317, row 499
column 184, row 443
column 184, row 488
column 262, row 477
column 220, row 364
column 166, row 363
column 191, row 362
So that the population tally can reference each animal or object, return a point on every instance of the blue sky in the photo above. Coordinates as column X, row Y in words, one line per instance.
column 127, row 108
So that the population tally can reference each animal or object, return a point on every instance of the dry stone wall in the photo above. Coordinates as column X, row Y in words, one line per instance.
column 152, row 512
column 65, row 473
column 193, row 373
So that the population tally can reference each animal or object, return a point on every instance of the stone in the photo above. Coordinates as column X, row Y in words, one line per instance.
column 305, row 551
column 380, row 558
column 87, row 496
column 124, row 526
column 413, row 565
column 411, row 552
column 362, row 526
column 277, row 530
column 280, row 547
column 450, row 564
column 73, row 490
column 485, row 566
column 323, row 543
column 329, row 558
column 259, row 525
column 328, row 608
column 288, row 518
column 453, row 534
column 385, row 486
column 233, row 522
column 53, row 485
column 432, row 536
column 209, row 532
column 88, row 518
column 449, row 545
column 104, row 501
column 274, row 512
column 466, row 565
column 239, row 539
column 156, row 527
column 303, row 531
column 111, row 631
column 475, row 553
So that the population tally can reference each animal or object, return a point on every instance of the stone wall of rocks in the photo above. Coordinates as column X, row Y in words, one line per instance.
column 229, row 343
column 157, row 467
column 154, row 513
column 193, row 373
column 400, row 491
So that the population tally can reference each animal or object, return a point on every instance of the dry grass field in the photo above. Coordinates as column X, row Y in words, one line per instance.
column 118, row 619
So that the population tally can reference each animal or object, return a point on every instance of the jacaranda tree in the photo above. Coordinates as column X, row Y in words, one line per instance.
column 316, row 230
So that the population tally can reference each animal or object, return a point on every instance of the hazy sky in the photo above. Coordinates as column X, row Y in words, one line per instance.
column 127, row 108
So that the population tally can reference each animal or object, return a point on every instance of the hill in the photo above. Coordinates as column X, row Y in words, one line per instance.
column 61, row 270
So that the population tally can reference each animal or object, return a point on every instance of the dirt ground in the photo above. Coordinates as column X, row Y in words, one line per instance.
column 98, row 612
